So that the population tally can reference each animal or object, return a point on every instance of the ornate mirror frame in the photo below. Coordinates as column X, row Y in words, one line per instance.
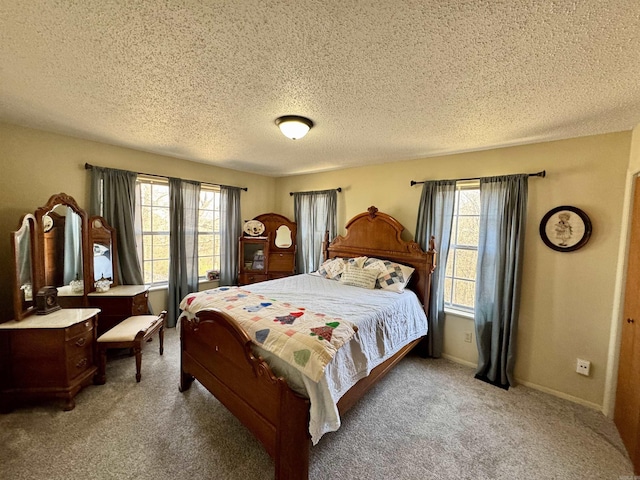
column 66, row 200
column 24, row 292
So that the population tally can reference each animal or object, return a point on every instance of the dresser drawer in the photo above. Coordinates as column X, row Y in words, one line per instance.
column 246, row 278
column 281, row 262
column 79, row 329
column 78, row 364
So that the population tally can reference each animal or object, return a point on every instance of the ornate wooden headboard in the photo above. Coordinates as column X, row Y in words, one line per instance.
column 376, row 234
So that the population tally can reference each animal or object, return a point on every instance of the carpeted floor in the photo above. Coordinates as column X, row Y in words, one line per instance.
column 428, row 419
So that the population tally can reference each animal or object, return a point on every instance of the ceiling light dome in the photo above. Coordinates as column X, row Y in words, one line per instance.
column 293, row 126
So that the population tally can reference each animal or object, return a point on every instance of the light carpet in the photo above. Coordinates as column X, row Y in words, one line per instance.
column 428, row 419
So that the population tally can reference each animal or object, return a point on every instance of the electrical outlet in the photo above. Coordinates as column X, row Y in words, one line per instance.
column 467, row 337
column 583, row 367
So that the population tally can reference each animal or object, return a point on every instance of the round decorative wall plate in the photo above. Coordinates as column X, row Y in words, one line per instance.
column 565, row 228
column 253, row 228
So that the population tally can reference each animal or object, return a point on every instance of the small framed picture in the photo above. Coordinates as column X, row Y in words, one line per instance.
column 565, row 228
column 213, row 275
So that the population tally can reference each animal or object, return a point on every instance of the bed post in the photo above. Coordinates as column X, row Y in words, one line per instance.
column 325, row 246
column 185, row 378
column 293, row 441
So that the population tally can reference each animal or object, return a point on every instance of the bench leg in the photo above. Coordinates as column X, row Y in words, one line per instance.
column 138, row 352
column 101, row 376
column 161, row 337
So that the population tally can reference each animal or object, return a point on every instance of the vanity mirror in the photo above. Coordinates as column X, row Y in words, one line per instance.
column 22, row 244
column 62, row 237
column 283, row 237
column 102, row 240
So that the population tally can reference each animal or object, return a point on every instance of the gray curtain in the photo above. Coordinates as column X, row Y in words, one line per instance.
column 113, row 197
column 230, row 231
column 184, row 199
column 503, row 214
column 72, row 247
column 315, row 214
column 435, row 217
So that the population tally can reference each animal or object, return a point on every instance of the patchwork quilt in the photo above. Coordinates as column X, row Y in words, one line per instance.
column 306, row 340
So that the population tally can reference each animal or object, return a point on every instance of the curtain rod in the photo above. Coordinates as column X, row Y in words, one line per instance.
column 542, row 174
column 339, row 189
column 88, row 166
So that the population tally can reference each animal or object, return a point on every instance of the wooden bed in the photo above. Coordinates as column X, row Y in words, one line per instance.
column 217, row 352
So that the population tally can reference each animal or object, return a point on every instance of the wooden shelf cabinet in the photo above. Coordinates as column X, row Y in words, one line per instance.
column 278, row 246
column 47, row 356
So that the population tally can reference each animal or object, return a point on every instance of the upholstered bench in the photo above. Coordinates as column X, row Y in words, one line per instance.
column 130, row 333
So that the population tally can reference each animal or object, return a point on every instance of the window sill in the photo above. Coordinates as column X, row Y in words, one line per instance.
column 459, row 313
column 165, row 286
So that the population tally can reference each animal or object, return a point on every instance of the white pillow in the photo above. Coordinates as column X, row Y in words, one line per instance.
column 333, row 268
column 359, row 277
column 391, row 276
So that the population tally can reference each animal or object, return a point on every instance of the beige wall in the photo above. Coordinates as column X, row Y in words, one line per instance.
column 35, row 165
column 567, row 297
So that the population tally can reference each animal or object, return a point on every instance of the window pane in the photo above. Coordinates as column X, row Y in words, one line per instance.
column 146, row 218
column 148, row 271
column 464, row 293
column 160, row 248
column 160, row 195
column 205, row 245
column 206, row 200
column 160, row 219
column 160, row 271
column 447, row 290
column 469, row 202
column 468, row 230
column 216, row 245
column 205, row 220
column 145, row 193
column 449, row 269
column 465, row 265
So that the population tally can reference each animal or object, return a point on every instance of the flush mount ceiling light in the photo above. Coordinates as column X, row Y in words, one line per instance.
column 293, row 126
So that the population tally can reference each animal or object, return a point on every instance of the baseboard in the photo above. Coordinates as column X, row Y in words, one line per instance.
column 535, row 386
column 565, row 396
column 459, row 360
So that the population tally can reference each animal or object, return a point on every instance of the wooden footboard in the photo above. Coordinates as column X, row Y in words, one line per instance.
column 217, row 353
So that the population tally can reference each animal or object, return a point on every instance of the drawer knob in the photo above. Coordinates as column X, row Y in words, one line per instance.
column 82, row 363
column 630, row 320
column 81, row 341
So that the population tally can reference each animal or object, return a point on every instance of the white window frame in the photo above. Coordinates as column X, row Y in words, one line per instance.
column 215, row 233
column 145, row 262
column 457, row 309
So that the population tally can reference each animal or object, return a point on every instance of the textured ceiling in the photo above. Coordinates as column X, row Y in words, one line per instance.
column 383, row 80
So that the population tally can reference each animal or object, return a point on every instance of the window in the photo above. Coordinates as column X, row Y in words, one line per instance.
column 208, row 230
column 154, row 212
column 460, row 275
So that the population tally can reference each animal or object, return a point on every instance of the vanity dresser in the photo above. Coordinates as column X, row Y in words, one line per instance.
column 267, row 249
column 47, row 356
column 49, row 349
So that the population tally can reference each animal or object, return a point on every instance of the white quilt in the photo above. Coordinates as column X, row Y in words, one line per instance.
column 386, row 322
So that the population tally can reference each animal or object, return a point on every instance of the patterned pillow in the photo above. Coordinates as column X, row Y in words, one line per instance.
column 359, row 277
column 391, row 276
column 333, row 268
